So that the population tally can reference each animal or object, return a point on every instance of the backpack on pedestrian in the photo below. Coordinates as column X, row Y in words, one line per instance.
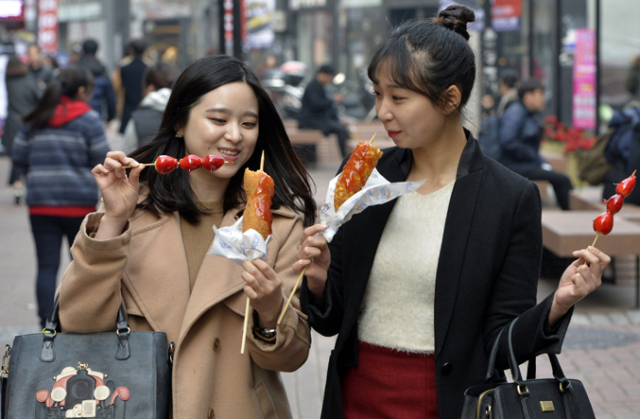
column 593, row 167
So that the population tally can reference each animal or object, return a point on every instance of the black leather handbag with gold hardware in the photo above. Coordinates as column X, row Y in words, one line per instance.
column 116, row 375
column 544, row 398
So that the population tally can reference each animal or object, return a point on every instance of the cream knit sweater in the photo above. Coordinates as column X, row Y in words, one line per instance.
column 397, row 310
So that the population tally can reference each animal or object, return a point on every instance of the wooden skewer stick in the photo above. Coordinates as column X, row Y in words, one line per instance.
column 248, row 305
column 595, row 240
column 139, row 164
column 293, row 292
column 244, row 327
column 373, row 138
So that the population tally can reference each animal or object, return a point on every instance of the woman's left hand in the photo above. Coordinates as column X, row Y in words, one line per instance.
column 578, row 280
column 264, row 290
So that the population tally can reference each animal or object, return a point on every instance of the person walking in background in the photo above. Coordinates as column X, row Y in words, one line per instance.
column 23, row 93
column 319, row 110
column 36, row 64
column 419, row 289
column 131, row 79
column 103, row 99
column 632, row 82
column 145, row 121
column 61, row 141
column 147, row 248
column 520, row 135
column 508, row 85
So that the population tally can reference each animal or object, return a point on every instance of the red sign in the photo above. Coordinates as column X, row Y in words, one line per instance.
column 228, row 22
column 48, row 26
column 506, row 14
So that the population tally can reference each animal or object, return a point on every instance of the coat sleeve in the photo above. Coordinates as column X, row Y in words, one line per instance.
column 20, row 152
column 293, row 335
column 515, row 291
column 97, row 142
column 510, row 139
column 90, row 292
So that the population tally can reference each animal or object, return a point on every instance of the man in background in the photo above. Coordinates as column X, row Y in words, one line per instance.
column 318, row 109
column 131, row 79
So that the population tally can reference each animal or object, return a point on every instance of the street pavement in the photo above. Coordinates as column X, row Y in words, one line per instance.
column 602, row 348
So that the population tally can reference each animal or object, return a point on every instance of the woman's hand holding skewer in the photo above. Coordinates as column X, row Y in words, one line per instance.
column 314, row 257
column 119, row 192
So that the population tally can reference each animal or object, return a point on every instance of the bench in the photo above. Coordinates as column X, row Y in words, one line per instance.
column 566, row 231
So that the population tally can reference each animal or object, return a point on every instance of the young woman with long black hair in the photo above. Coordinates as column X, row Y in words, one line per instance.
column 147, row 248
column 419, row 289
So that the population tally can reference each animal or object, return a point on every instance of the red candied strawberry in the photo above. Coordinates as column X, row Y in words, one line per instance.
column 625, row 187
column 614, row 204
column 603, row 224
column 190, row 163
column 212, row 162
column 166, row 164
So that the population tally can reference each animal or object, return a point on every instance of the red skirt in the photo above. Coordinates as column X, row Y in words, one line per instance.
column 391, row 385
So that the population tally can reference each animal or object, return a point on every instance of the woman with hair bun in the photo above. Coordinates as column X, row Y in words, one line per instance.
column 419, row 289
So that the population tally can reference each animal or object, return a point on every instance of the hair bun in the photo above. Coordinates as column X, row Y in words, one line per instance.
column 456, row 19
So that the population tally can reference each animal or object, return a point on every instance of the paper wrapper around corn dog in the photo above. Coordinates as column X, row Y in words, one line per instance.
column 249, row 237
column 376, row 190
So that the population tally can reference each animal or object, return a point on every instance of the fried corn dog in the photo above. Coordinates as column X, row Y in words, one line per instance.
column 356, row 172
column 257, row 215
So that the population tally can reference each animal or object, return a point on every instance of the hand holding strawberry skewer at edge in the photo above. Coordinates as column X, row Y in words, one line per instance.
column 604, row 223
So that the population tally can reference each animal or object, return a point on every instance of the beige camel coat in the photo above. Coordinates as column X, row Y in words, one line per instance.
column 146, row 267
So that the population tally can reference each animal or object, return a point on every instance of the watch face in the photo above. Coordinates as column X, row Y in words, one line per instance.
column 265, row 333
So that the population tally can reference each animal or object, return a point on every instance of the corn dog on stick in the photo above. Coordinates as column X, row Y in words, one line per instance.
column 257, row 215
column 356, row 172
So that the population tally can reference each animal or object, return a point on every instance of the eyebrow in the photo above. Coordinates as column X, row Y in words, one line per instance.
column 391, row 85
column 226, row 110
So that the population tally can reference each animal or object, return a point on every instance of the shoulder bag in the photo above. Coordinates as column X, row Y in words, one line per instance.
column 544, row 398
column 115, row 375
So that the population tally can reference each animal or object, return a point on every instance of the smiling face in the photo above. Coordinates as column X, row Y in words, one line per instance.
column 224, row 122
column 409, row 117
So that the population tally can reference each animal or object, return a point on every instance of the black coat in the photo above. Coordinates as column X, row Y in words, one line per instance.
column 23, row 94
column 487, row 275
column 317, row 107
column 131, row 75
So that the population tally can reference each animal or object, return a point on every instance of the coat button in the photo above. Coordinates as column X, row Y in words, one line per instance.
column 446, row 368
column 211, row 414
column 216, row 344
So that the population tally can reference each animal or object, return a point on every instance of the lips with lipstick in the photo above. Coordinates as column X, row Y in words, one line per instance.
column 393, row 133
column 229, row 154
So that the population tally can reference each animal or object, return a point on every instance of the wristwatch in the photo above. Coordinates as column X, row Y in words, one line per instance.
column 262, row 333
column 265, row 334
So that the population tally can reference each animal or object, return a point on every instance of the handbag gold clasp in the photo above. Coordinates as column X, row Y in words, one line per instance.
column 172, row 351
column 5, row 360
column 521, row 391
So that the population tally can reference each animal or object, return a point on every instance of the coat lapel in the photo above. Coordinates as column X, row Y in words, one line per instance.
column 455, row 238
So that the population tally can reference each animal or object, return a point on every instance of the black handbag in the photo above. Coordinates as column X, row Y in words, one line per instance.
column 116, row 375
column 549, row 398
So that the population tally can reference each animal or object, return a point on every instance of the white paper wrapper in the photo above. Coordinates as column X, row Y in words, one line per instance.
column 232, row 243
column 376, row 191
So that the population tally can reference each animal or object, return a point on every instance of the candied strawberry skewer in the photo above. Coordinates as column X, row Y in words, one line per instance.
column 167, row 164
column 603, row 224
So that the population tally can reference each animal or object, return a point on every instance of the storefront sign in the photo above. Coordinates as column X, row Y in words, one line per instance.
column 584, row 80
column 506, row 15
column 306, row 4
column 48, row 26
column 259, row 24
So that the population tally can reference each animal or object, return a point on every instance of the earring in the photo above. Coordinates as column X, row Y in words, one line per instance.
column 178, row 136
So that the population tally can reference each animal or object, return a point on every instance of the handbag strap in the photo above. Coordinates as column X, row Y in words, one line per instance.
column 51, row 329
column 492, row 359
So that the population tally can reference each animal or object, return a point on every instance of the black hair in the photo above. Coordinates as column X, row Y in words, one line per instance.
column 327, row 69
column 429, row 56
column 67, row 83
column 138, row 47
column 159, row 76
column 529, row 86
column 509, row 77
column 172, row 192
column 90, row 47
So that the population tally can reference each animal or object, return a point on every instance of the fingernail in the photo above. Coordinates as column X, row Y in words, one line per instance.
column 575, row 253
